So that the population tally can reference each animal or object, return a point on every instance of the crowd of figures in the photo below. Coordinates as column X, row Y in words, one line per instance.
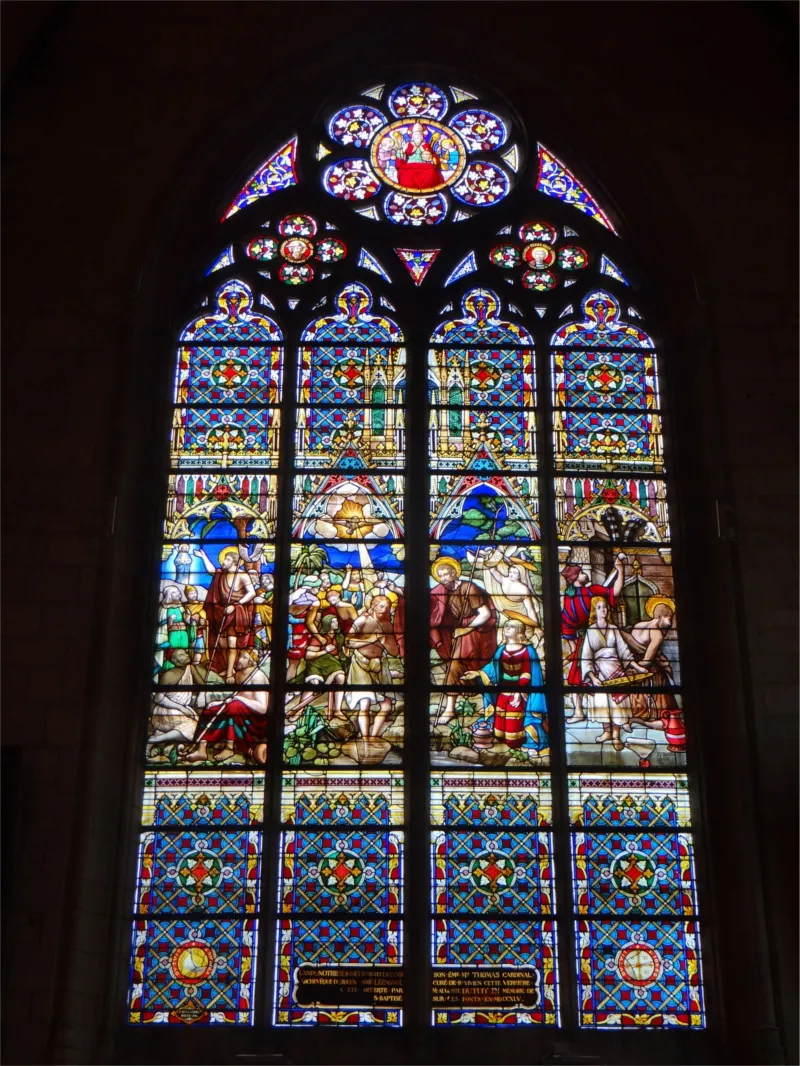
column 345, row 655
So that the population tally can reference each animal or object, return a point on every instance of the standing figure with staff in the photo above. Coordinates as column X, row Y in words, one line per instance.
column 463, row 627
column 229, row 609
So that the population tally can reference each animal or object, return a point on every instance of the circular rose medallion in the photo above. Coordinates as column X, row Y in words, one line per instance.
column 639, row 965
column 505, row 255
column 229, row 374
column 418, row 156
column 415, row 210
column 537, row 231
column 572, row 257
column 295, row 273
column 633, row 873
column 483, row 184
column 331, row 250
column 481, row 130
column 604, row 378
column 192, row 961
column 417, row 100
column 263, row 248
column 539, row 280
column 297, row 249
column 352, row 179
column 297, row 226
column 355, row 125
column 539, row 256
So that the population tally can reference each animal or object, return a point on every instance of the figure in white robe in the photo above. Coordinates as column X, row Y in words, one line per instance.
column 606, row 658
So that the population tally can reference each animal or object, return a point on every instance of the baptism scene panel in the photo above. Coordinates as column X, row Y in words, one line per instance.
column 215, row 602
column 346, row 649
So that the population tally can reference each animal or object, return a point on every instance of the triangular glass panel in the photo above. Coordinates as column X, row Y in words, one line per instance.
column 376, row 92
column 568, row 310
column 293, row 303
column 513, row 308
column 276, row 173
column 557, row 181
column 508, row 281
column 569, row 281
column 540, row 311
column 225, row 260
column 204, row 302
column 369, row 262
column 265, row 274
column 322, row 151
column 633, row 312
column 446, row 308
column 483, row 459
column 265, row 225
column 503, row 231
column 568, row 231
column 319, row 303
column 460, row 94
column 459, row 216
column 418, row 261
column 611, row 270
column 387, row 304
column 369, row 212
column 330, row 225
column 466, row 266
column 326, row 275
column 511, row 156
column 262, row 299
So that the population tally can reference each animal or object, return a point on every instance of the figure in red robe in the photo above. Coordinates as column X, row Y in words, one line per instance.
column 418, row 166
column 229, row 610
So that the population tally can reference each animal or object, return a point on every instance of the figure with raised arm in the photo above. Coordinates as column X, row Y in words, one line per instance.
column 229, row 609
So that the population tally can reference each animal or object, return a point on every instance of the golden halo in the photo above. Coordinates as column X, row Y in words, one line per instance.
column 446, row 560
column 654, row 601
column 230, row 550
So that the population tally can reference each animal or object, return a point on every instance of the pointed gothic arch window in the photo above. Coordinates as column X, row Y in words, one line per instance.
column 416, row 717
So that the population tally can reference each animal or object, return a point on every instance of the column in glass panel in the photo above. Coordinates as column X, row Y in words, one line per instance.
column 340, row 901
column 621, row 670
column 198, row 876
column 493, row 939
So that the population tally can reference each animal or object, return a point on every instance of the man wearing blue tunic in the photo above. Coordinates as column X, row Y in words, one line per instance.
column 518, row 718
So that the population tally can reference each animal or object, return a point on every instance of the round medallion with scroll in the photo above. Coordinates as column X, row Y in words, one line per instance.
column 418, row 156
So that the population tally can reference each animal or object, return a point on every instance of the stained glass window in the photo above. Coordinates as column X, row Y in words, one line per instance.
column 415, row 749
